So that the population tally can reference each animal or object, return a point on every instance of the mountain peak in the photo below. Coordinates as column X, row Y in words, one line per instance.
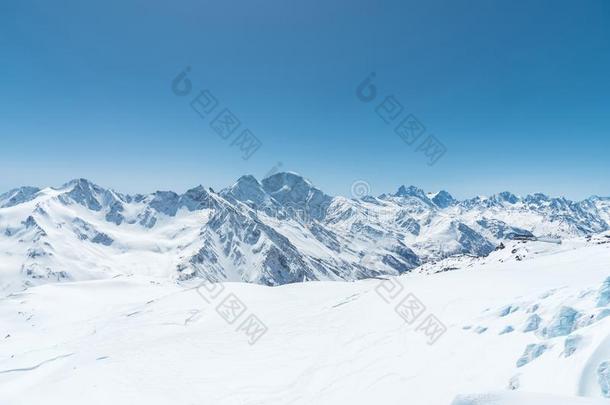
column 248, row 179
column 537, row 198
column 83, row 192
column 443, row 199
column 410, row 191
column 196, row 198
column 80, row 182
column 507, row 196
column 294, row 191
column 247, row 189
column 17, row 196
column 286, row 179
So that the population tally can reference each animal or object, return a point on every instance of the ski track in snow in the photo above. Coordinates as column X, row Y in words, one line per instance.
column 37, row 365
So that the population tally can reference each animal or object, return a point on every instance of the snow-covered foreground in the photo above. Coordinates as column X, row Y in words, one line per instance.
column 512, row 398
column 134, row 340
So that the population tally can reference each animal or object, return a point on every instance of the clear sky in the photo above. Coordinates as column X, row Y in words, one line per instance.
column 517, row 91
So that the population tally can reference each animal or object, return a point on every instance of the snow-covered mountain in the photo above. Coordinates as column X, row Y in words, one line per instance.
column 276, row 231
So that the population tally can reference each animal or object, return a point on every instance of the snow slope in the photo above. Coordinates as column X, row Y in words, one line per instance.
column 512, row 398
column 527, row 324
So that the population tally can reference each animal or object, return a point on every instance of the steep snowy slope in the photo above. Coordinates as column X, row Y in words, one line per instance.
column 531, row 329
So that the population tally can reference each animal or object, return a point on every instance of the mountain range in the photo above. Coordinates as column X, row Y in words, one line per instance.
column 279, row 230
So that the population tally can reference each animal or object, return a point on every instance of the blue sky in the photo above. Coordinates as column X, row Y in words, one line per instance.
column 518, row 92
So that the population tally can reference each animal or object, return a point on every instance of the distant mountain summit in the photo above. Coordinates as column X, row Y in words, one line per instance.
column 443, row 199
column 282, row 229
column 17, row 196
